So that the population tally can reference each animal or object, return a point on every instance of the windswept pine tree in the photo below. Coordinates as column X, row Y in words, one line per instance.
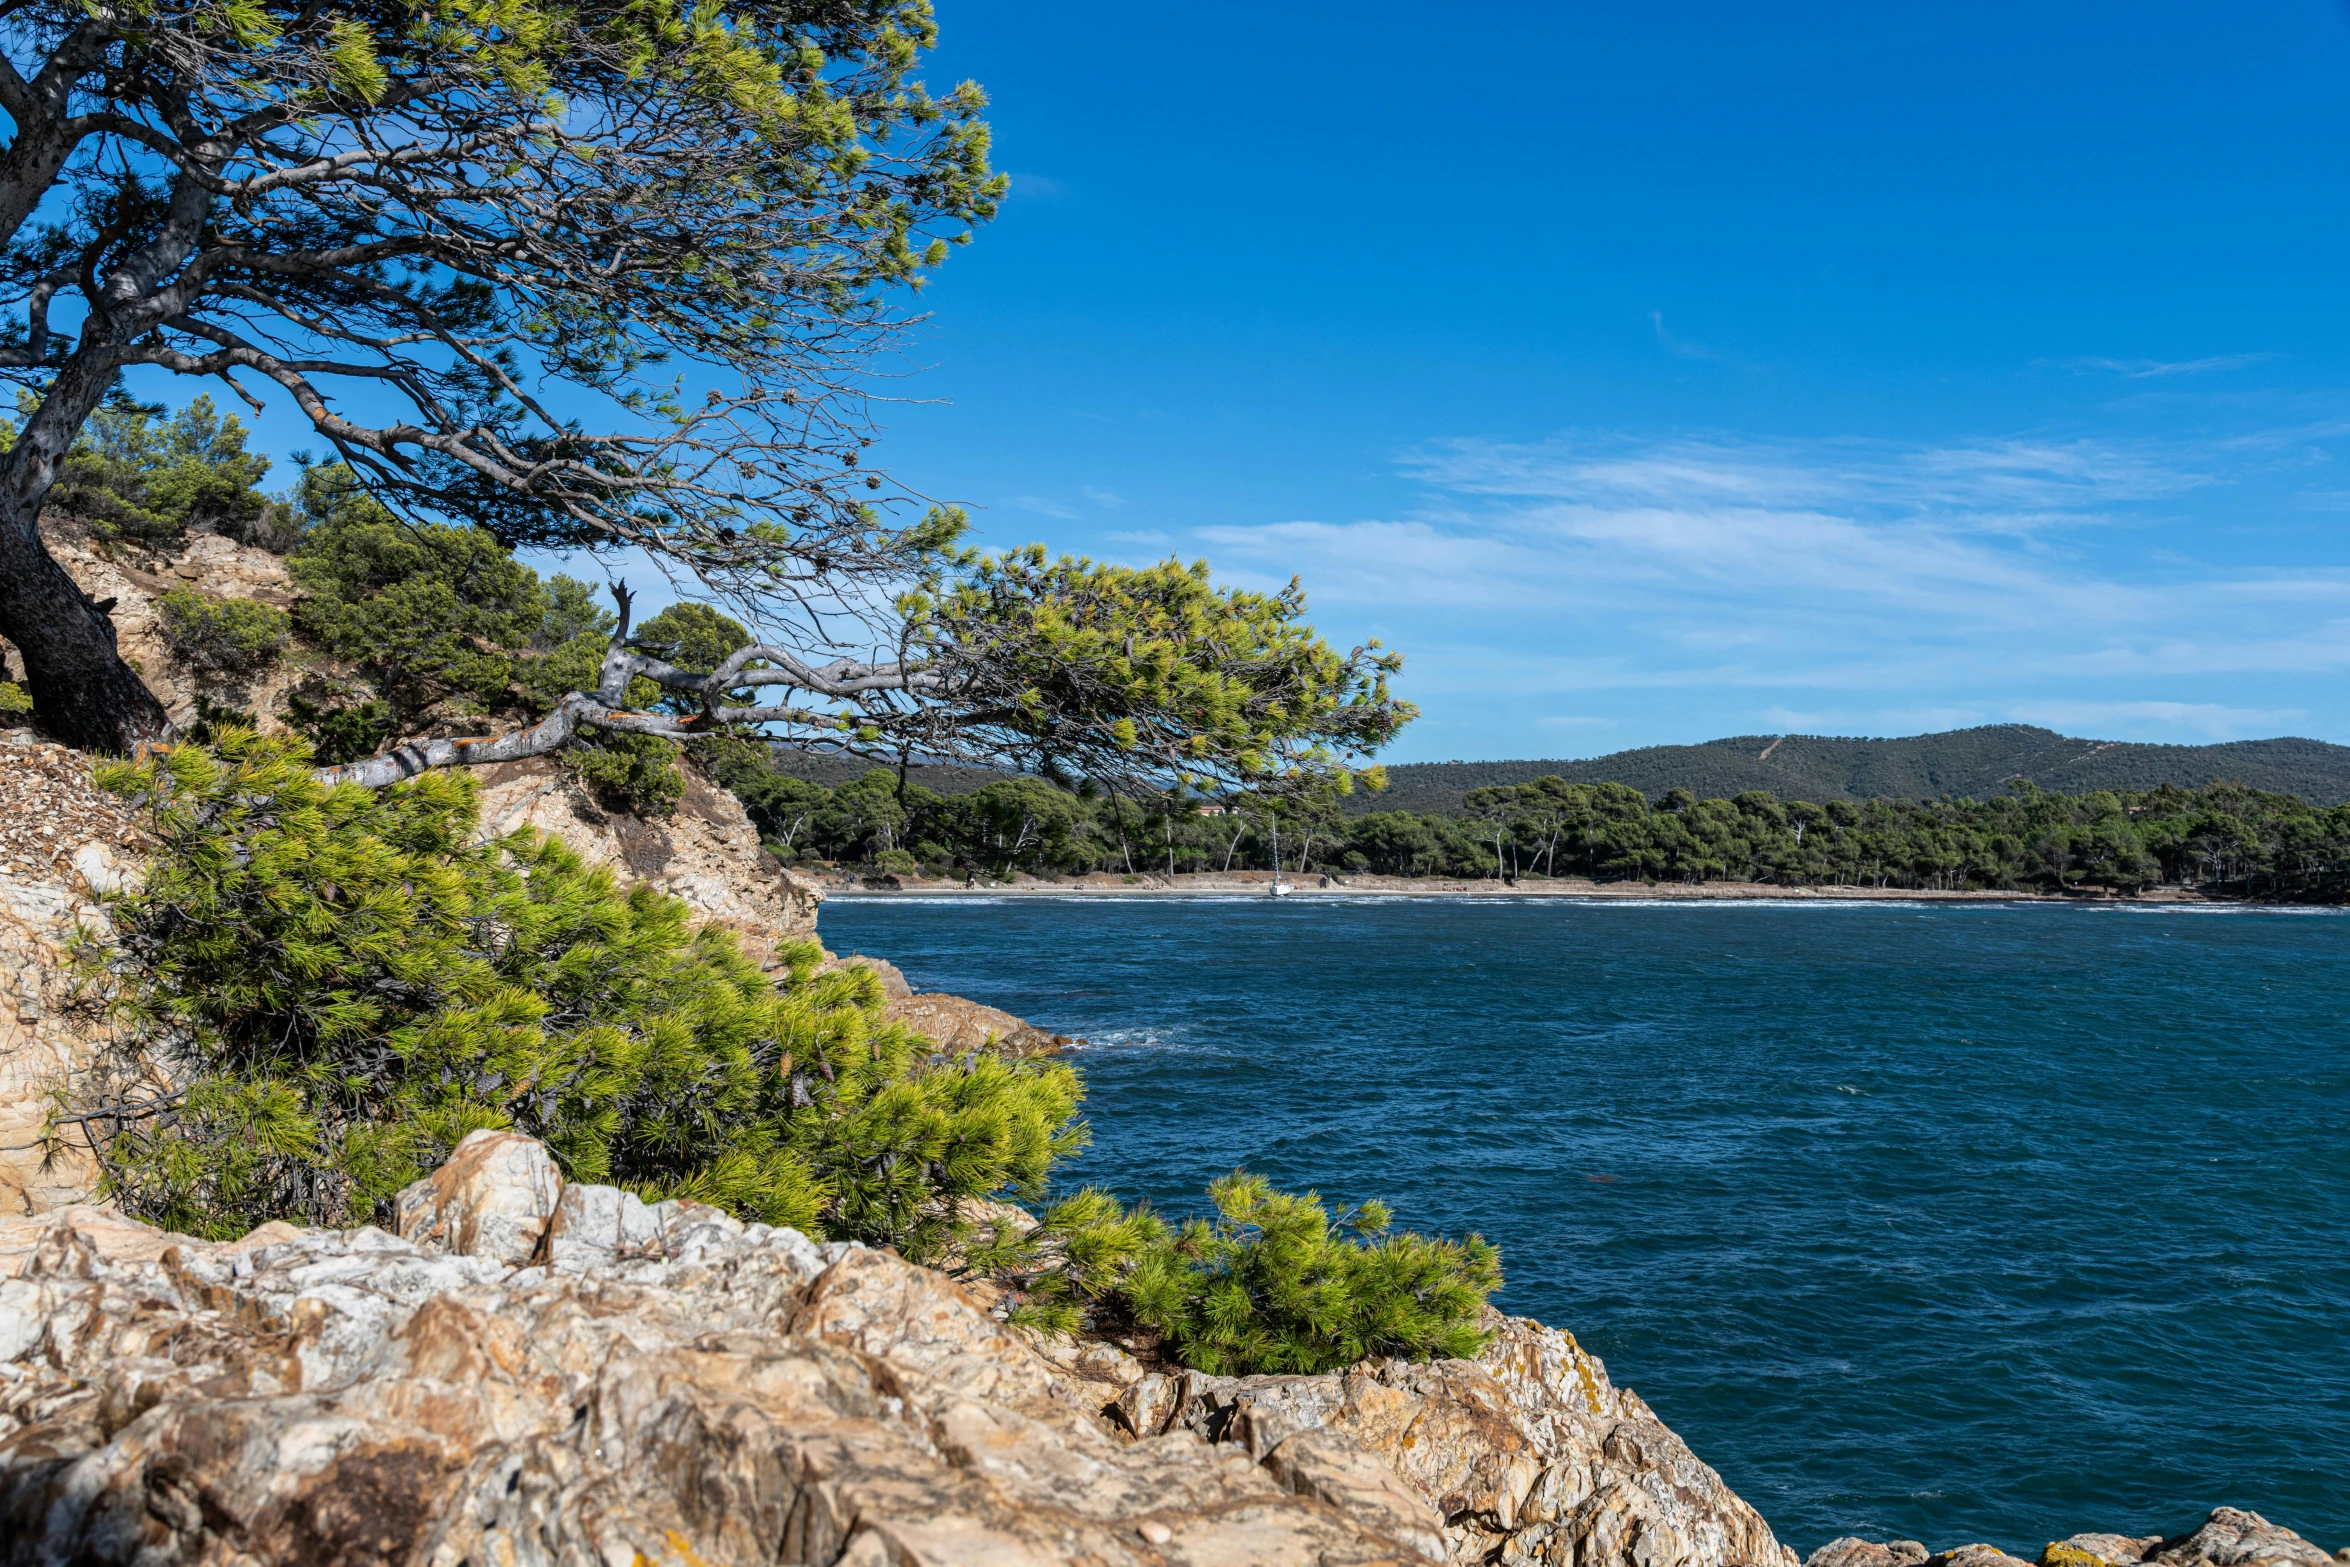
column 602, row 277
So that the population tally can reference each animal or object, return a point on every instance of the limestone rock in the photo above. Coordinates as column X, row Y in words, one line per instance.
column 706, row 851
column 352, row 1397
column 206, row 564
column 1528, row 1453
column 956, row 1024
column 1852, row 1552
column 959, row 1025
column 2092, row 1550
column 492, row 1199
column 668, row 1384
column 63, row 843
column 1325, row 1465
column 2231, row 1537
column 1974, row 1556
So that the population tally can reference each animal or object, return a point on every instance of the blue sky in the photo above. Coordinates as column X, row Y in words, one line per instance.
column 1653, row 373
column 1647, row 374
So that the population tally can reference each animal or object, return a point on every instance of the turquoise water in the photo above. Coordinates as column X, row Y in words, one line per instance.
column 1972, row 1222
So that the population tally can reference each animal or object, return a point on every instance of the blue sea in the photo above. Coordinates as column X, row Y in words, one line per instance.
column 1955, row 1222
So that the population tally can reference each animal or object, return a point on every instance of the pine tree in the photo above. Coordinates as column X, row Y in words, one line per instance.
column 325, row 988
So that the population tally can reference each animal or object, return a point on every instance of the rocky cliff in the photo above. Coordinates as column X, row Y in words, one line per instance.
column 547, row 1373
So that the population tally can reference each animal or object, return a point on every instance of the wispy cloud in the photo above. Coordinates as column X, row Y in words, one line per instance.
column 2157, row 369
column 1043, row 507
column 1043, row 186
column 1677, row 345
column 2007, row 578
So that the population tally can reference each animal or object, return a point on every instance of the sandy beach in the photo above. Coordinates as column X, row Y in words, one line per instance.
column 1317, row 884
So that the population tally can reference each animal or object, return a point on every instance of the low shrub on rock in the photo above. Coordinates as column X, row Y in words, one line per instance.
column 321, row 990
column 1270, row 1285
column 230, row 636
column 324, row 989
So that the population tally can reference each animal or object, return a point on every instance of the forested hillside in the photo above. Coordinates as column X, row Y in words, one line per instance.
column 1962, row 762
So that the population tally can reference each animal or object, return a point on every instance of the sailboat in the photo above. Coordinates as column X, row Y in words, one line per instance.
column 1280, row 888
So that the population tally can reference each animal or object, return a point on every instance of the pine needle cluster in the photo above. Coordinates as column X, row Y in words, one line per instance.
column 326, row 988
column 1272, row 1284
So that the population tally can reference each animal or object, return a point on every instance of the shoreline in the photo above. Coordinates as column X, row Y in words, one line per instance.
column 1256, row 883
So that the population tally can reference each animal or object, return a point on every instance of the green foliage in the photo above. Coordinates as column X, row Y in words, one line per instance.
column 634, row 773
column 694, row 637
column 329, row 987
column 341, row 721
column 135, row 475
column 1270, row 1285
column 2225, row 836
column 16, row 704
column 1113, row 672
column 428, row 611
column 441, row 623
column 225, row 636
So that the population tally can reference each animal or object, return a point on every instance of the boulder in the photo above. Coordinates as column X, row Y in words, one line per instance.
column 492, row 1199
column 1974, row 1556
column 2098, row 1550
column 1852, row 1552
column 954, row 1023
column 2231, row 1537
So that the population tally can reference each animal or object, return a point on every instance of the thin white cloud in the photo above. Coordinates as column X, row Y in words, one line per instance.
column 1042, row 186
column 2157, row 369
column 1953, row 583
column 1042, row 507
column 1680, row 347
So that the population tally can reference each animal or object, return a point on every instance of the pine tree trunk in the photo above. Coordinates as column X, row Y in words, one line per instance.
column 83, row 693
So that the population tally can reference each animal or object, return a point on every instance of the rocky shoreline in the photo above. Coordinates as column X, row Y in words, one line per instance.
column 538, row 1372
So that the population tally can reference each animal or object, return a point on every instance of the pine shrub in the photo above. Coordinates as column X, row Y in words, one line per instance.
column 230, row 636
column 625, row 772
column 137, row 476
column 326, row 988
column 1271, row 1285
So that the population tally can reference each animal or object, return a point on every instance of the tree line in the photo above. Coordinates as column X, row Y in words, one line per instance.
column 2221, row 836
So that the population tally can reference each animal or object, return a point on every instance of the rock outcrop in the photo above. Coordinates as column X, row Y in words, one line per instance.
column 706, row 851
column 205, row 564
column 574, row 1376
column 63, row 844
column 2230, row 1537
column 956, row 1023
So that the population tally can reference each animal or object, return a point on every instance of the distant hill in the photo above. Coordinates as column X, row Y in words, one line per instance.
column 832, row 771
column 1974, row 762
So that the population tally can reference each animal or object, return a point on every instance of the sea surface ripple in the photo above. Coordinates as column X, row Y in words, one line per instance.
column 1954, row 1222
